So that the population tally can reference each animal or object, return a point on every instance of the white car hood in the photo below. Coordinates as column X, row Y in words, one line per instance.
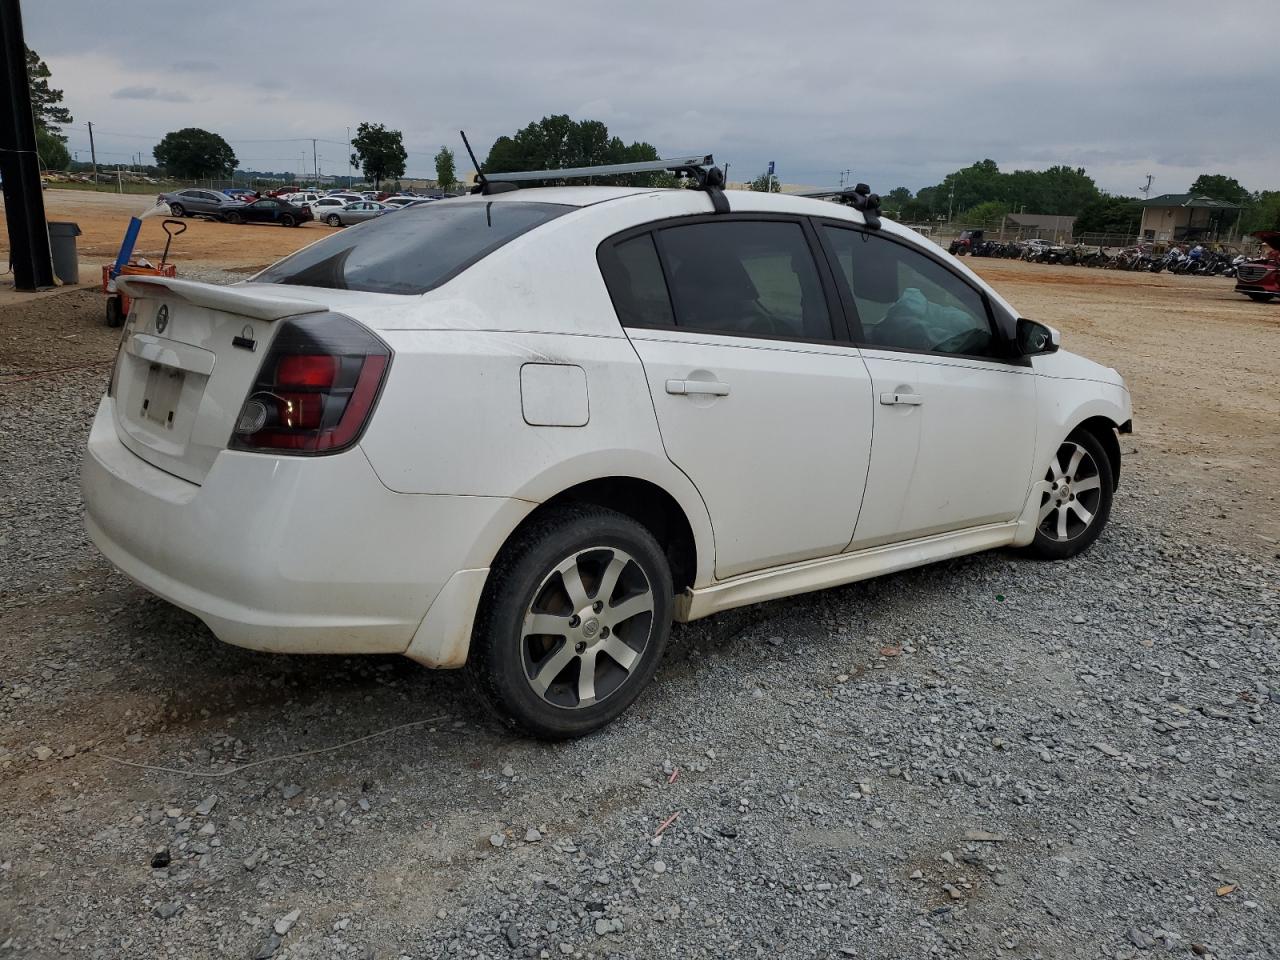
column 1065, row 365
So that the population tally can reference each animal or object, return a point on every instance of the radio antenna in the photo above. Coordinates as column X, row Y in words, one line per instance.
column 474, row 162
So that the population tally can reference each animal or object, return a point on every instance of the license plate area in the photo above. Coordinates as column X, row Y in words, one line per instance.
column 162, row 395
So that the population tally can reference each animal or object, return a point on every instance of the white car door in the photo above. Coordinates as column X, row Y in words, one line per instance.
column 955, row 413
column 759, row 399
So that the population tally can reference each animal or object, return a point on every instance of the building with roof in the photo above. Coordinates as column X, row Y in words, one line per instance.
column 1185, row 216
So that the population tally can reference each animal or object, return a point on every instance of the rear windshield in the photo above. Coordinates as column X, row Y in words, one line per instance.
column 411, row 250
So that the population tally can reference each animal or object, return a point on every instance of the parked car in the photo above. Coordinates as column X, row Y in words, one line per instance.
column 307, row 197
column 327, row 204
column 344, row 195
column 271, row 210
column 197, row 202
column 241, row 193
column 1259, row 279
column 521, row 433
column 357, row 212
column 400, row 200
column 282, row 191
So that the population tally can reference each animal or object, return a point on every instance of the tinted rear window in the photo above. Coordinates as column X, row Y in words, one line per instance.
column 411, row 250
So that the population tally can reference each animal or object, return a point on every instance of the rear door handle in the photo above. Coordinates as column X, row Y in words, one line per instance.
column 711, row 388
column 904, row 399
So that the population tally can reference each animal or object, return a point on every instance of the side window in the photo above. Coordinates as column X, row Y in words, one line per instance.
column 907, row 300
column 636, row 285
column 752, row 277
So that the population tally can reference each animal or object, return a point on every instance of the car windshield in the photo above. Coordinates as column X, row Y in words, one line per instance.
column 417, row 249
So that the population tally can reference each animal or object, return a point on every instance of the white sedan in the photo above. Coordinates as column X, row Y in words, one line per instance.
column 522, row 433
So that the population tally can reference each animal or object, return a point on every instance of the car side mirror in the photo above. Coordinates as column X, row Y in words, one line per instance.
column 1036, row 338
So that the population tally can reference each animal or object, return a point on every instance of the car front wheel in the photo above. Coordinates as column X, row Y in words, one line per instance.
column 572, row 623
column 1077, row 504
column 177, row 210
column 333, row 220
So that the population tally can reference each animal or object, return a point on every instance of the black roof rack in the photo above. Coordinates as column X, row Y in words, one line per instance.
column 700, row 168
column 859, row 197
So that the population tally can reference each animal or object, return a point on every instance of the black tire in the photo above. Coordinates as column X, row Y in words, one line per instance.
column 505, row 661
column 1261, row 297
column 288, row 221
column 115, row 314
column 1049, row 543
column 235, row 218
column 333, row 220
column 177, row 210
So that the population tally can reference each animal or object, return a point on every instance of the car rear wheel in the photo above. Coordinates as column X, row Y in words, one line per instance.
column 1261, row 297
column 234, row 218
column 1077, row 504
column 573, row 622
column 288, row 220
column 333, row 220
column 177, row 210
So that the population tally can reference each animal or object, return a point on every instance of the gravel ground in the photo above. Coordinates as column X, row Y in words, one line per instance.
column 991, row 757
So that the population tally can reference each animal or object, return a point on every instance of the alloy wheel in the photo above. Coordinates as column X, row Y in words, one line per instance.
column 587, row 628
column 1068, row 508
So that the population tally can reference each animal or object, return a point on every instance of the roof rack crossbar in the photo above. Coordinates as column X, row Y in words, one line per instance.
column 859, row 197
column 605, row 170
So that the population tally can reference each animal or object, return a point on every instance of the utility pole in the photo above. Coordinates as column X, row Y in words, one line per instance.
column 951, row 195
column 315, row 162
column 1146, row 191
column 350, row 168
column 94, row 154
column 30, row 251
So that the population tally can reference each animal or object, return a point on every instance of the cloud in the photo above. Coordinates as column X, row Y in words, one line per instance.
column 900, row 93
column 150, row 93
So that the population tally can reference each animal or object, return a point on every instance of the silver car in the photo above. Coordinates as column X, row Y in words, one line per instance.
column 357, row 212
column 196, row 202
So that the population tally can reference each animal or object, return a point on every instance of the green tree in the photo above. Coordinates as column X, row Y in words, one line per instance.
column 557, row 142
column 446, row 174
column 379, row 152
column 1262, row 214
column 893, row 201
column 192, row 153
column 766, row 184
column 989, row 213
column 1108, row 214
column 44, row 99
column 52, row 151
column 1220, row 187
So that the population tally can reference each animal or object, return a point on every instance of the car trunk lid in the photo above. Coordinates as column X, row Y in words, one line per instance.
column 189, row 354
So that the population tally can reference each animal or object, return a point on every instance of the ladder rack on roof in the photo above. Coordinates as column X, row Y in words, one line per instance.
column 676, row 165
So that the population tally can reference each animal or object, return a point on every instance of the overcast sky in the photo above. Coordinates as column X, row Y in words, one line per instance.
column 899, row 92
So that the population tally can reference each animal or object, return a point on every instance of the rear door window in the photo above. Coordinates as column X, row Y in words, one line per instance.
column 411, row 253
column 745, row 277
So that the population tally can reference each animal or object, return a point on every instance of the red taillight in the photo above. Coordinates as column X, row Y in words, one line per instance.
column 306, row 370
column 316, row 389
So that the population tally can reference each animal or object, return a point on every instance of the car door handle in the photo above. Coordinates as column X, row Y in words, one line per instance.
column 904, row 399
column 711, row 388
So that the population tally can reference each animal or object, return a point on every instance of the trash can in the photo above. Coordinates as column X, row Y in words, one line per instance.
column 66, row 262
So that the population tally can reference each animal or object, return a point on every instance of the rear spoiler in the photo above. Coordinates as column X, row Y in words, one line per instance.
column 230, row 299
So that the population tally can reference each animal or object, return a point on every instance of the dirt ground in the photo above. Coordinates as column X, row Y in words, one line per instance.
column 1203, row 365
column 103, row 217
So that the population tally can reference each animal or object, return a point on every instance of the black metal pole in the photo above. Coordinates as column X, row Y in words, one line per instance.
column 23, row 201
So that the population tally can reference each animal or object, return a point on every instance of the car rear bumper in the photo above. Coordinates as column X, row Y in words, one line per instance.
column 293, row 554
